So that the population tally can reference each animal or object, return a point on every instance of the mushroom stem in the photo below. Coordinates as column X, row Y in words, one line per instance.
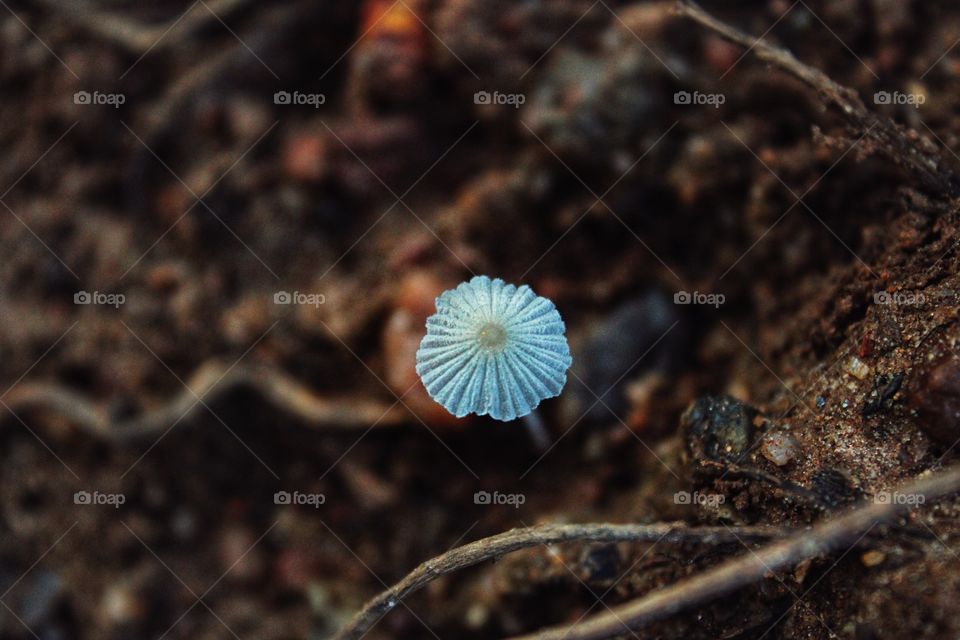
column 539, row 435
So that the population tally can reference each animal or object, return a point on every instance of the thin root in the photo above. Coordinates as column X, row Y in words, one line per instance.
column 900, row 145
column 516, row 539
column 826, row 537
column 209, row 383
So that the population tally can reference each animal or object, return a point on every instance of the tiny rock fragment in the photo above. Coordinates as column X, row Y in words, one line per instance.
column 719, row 427
column 856, row 367
column 779, row 448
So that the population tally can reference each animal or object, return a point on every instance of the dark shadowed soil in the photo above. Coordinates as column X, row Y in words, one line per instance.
column 219, row 243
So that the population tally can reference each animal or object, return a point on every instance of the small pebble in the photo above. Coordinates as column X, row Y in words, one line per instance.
column 719, row 427
column 872, row 558
column 856, row 367
column 779, row 448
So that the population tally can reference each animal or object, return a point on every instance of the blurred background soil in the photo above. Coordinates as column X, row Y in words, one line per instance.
column 200, row 159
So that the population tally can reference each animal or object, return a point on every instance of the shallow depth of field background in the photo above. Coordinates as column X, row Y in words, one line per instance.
column 223, row 225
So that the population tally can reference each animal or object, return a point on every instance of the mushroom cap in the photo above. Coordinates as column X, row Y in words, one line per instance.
column 493, row 349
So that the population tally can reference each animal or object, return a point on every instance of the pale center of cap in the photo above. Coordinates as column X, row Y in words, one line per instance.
column 492, row 336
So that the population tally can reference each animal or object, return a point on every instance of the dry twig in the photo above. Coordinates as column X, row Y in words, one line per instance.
column 210, row 382
column 902, row 145
column 516, row 539
column 139, row 38
column 824, row 538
